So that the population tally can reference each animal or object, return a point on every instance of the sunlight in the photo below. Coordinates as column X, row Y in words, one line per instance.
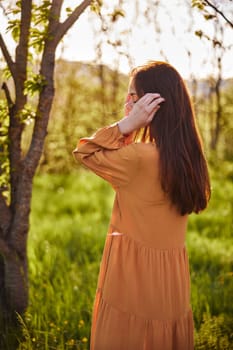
column 165, row 33
column 176, row 41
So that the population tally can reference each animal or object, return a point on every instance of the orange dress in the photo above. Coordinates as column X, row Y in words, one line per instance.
column 143, row 294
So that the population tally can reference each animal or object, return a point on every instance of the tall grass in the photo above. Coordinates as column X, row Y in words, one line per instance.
column 69, row 220
column 209, row 241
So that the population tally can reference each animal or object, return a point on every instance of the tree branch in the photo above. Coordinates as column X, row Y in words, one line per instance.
column 8, row 96
column 65, row 26
column 21, row 54
column 219, row 12
column 16, row 126
column 19, row 226
column 7, row 56
column 47, row 70
column 55, row 10
column 5, row 215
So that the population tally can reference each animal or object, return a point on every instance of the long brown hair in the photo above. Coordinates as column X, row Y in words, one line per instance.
column 183, row 168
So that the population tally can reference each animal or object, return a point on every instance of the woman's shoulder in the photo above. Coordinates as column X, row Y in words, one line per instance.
column 146, row 148
column 143, row 152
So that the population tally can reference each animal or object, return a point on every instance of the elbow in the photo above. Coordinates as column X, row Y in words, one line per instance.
column 77, row 155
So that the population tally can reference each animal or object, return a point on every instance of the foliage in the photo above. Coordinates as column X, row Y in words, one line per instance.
column 38, row 30
column 34, row 85
column 70, row 215
column 215, row 332
column 213, row 10
column 96, row 6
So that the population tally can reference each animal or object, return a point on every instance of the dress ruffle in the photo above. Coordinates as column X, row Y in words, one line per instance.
column 131, row 332
column 135, row 298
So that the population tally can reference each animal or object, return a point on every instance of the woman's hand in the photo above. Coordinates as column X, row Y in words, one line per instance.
column 141, row 114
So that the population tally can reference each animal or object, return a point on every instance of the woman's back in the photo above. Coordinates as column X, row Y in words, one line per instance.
column 144, row 210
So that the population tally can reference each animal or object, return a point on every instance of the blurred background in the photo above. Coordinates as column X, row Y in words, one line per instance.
column 71, row 207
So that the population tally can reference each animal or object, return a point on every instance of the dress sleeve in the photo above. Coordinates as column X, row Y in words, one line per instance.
column 107, row 154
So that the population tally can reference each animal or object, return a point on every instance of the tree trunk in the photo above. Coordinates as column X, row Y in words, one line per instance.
column 14, row 217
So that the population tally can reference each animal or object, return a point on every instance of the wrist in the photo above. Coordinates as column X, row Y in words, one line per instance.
column 124, row 126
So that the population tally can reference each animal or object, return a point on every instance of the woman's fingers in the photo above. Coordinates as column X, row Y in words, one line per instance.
column 142, row 112
column 149, row 101
column 154, row 104
column 151, row 105
column 150, row 96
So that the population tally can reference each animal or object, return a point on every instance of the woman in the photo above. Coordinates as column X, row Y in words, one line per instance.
column 154, row 160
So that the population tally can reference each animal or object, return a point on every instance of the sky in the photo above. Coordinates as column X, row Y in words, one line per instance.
column 165, row 32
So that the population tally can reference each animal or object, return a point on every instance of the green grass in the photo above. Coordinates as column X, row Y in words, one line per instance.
column 69, row 220
column 210, row 247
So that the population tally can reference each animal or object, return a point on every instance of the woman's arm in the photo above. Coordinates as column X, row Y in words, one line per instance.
column 106, row 154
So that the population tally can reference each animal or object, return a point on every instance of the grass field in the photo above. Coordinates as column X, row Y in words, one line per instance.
column 69, row 220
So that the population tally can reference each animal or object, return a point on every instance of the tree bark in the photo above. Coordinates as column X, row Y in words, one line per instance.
column 13, row 278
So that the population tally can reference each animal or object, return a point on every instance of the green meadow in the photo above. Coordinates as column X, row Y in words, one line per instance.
column 69, row 220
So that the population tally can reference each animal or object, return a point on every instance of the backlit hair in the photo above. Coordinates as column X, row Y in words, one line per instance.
column 183, row 167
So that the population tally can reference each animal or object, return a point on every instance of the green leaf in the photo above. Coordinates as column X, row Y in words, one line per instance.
column 116, row 14
column 199, row 33
column 14, row 28
column 27, row 114
column 199, row 4
column 96, row 6
column 6, row 73
column 34, row 85
column 18, row 3
column 208, row 16
column 37, row 39
column 69, row 10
